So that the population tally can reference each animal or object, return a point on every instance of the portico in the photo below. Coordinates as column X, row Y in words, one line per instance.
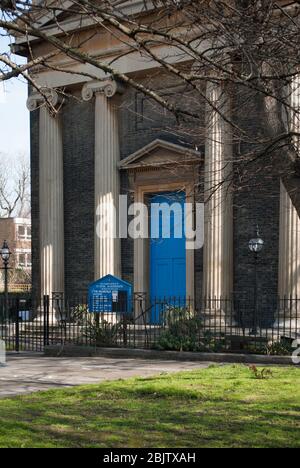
column 179, row 169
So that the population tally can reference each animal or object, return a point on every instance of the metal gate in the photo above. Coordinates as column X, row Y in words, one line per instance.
column 24, row 323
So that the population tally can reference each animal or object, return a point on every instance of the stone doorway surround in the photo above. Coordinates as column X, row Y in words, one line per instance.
column 159, row 167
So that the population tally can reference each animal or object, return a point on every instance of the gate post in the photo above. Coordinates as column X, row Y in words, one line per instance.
column 17, row 334
column 46, row 308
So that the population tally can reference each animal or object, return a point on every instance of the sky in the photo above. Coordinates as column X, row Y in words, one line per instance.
column 14, row 116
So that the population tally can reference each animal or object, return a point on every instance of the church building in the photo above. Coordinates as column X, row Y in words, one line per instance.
column 108, row 139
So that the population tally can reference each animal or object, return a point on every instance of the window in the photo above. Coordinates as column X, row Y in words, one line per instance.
column 24, row 232
column 22, row 260
column 21, row 232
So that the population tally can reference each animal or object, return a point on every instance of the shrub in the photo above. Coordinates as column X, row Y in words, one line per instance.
column 185, row 333
column 279, row 348
column 94, row 329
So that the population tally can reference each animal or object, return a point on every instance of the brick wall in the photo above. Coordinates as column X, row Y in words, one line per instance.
column 256, row 202
column 35, row 238
column 78, row 148
column 257, row 206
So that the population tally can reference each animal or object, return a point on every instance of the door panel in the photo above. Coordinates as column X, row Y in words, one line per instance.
column 168, row 255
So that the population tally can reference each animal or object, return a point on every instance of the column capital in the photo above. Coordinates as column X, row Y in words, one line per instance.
column 107, row 87
column 37, row 99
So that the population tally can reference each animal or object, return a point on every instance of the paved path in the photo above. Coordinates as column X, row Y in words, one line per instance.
column 32, row 373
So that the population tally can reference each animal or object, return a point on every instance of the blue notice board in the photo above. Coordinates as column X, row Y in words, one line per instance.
column 110, row 294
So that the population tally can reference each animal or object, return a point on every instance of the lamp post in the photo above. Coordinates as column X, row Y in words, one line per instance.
column 255, row 246
column 5, row 255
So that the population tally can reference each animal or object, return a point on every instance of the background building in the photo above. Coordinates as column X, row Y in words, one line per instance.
column 17, row 233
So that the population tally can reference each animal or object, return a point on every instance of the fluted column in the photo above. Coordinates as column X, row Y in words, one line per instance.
column 218, row 241
column 51, row 206
column 289, row 239
column 107, row 190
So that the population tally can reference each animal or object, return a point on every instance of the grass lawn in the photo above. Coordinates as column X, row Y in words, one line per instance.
column 214, row 407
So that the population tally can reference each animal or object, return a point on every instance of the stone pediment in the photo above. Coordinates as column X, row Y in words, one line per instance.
column 161, row 153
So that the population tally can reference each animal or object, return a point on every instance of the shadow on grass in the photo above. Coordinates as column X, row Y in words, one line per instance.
column 208, row 408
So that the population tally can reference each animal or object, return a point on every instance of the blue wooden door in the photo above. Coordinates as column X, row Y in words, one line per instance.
column 167, row 251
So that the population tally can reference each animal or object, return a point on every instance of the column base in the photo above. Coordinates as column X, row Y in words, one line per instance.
column 213, row 318
column 54, row 317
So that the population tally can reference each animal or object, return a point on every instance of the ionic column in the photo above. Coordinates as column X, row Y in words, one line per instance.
column 107, row 190
column 218, row 240
column 289, row 239
column 51, row 206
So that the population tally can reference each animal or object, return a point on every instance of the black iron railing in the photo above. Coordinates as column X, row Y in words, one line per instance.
column 181, row 324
